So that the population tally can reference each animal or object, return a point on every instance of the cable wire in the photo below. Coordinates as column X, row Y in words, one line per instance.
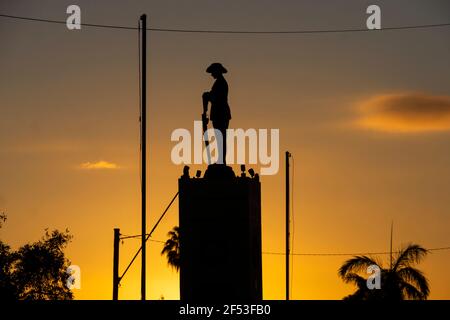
column 139, row 236
column 307, row 254
column 347, row 254
column 175, row 30
column 149, row 235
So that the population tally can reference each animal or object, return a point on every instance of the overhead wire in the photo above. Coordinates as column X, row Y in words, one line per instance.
column 315, row 254
column 149, row 235
column 210, row 31
column 346, row 254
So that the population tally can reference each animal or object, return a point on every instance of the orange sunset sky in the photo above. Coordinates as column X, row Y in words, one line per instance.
column 366, row 116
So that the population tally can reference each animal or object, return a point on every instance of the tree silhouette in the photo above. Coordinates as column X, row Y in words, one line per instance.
column 399, row 281
column 172, row 248
column 7, row 288
column 36, row 271
column 2, row 219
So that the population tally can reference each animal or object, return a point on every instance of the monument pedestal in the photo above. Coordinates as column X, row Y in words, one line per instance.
column 220, row 236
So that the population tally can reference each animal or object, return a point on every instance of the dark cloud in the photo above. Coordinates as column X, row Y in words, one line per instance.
column 405, row 112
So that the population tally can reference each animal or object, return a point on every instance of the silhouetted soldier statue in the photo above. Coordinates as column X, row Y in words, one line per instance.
column 220, row 114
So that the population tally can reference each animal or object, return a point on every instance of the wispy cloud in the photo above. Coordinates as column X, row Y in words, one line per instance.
column 99, row 165
column 405, row 113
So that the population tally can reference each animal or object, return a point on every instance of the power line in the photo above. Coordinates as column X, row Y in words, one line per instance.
column 315, row 254
column 139, row 236
column 175, row 30
column 64, row 22
column 148, row 235
column 347, row 254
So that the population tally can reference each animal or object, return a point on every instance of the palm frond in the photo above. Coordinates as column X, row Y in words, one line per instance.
column 173, row 235
column 172, row 248
column 357, row 264
column 356, row 279
column 411, row 292
column 399, row 282
column 169, row 245
column 173, row 259
column 416, row 278
column 412, row 254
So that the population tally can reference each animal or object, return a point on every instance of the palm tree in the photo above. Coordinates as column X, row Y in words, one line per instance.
column 398, row 282
column 172, row 248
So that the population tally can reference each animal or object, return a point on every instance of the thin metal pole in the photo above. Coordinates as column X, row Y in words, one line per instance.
column 144, row 148
column 392, row 231
column 287, row 224
column 116, row 264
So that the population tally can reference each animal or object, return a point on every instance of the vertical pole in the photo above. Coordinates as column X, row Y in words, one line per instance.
column 116, row 264
column 144, row 147
column 392, row 231
column 287, row 224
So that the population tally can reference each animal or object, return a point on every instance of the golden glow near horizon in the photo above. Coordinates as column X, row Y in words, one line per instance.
column 69, row 132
